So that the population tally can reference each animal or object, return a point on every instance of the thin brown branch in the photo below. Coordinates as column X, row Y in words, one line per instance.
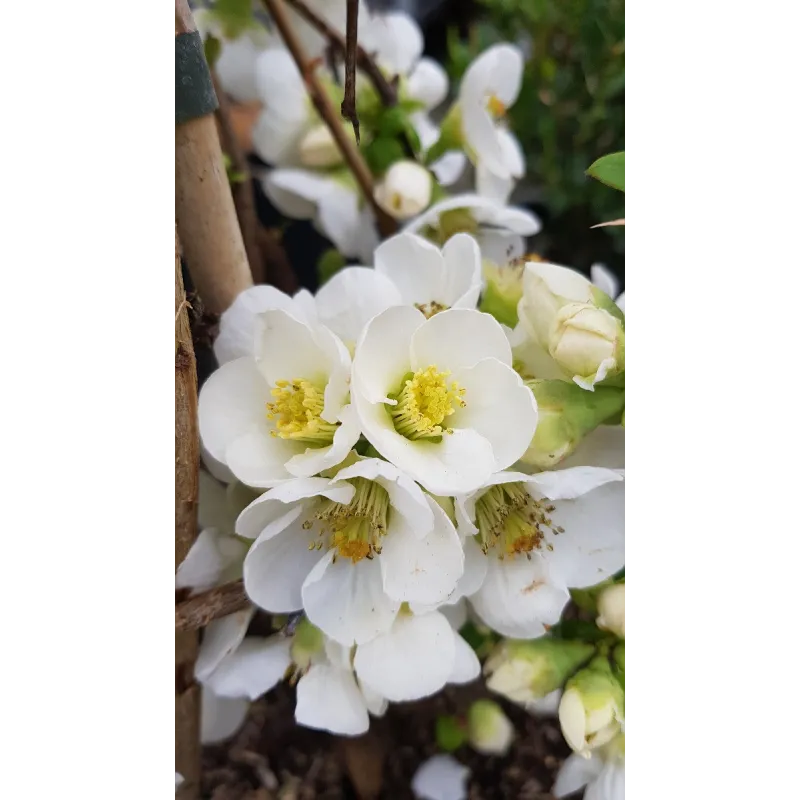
column 187, row 463
column 387, row 90
column 351, row 43
column 352, row 157
column 198, row 611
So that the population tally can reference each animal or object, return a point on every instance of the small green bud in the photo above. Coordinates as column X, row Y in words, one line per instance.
column 592, row 708
column 567, row 413
column 306, row 643
column 523, row 671
column 450, row 734
column 489, row 729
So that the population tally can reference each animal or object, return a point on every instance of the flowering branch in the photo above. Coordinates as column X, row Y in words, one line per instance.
column 198, row 611
column 386, row 225
column 386, row 90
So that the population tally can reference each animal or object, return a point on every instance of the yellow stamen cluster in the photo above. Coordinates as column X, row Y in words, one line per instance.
column 496, row 106
column 429, row 309
column 356, row 529
column 424, row 402
column 510, row 519
column 296, row 413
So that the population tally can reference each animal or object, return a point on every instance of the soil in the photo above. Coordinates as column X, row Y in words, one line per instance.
column 272, row 758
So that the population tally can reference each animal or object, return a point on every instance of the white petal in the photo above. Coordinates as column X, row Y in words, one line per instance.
column 455, row 613
column 220, row 638
column 518, row 597
column 449, row 168
column 340, row 220
column 382, row 355
column 489, row 184
column 575, row 773
column 220, row 717
column 462, row 259
column 219, row 470
column 569, row 484
column 396, row 39
column 475, row 566
column 414, row 265
column 376, row 704
column 237, row 325
column 231, row 403
column 352, row 297
column 328, row 699
column 499, row 407
column 211, row 555
column 466, row 666
column 546, row 706
column 428, row 83
column 603, row 447
column 295, row 192
column 506, row 71
column 421, row 570
column 512, row 151
column 609, row 784
column 236, row 69
column 411, row 660
column 346, row 600
column 604, row 279
column 458, row 338
column 482, row 137
column 441, row 777
column 315, row 460
column 259, row 459
column 620, row 301
column 277, row 565
column 254, row 668
column 592, row 547
column 279, row 82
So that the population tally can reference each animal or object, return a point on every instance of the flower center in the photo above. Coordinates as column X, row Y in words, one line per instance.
column 355, row 530
column 296, row 413
column 425, row 400
column 496, row 106
column 429, row 309
column 511, row 520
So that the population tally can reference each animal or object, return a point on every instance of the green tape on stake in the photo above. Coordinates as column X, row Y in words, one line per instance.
column 194, row 91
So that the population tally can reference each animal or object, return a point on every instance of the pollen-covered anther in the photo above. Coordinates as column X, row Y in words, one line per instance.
column 354, row 530
column 296, row 412
column 424, row 402
column 511, row 520
column 496, row 106
column 431, row 309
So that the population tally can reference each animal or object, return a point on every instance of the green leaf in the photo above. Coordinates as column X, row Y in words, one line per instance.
column 450, row 734
column 381, row 153
column 330, row 262
column 236, row 16
column 609, row 170
column 212, row 47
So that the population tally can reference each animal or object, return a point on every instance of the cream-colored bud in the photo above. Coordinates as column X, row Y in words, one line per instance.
column 611, row 608
column 489, row 730
column 318, row 148
column 405, row 190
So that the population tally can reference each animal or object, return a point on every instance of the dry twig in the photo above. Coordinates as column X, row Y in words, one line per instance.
column 198, row 611
column 351, row 43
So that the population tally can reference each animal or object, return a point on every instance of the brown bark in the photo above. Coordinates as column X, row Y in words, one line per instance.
column 209, row 230
column 198, row 611
column 187, row 462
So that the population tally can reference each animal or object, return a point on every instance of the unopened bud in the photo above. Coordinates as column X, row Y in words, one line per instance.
column 503, row 291
column 523, row 671
column 592, row 707
column 319, row 149
column 567, row 413
column 574, row 321
column 489, row 730
column 611, row 608
column 405, row 190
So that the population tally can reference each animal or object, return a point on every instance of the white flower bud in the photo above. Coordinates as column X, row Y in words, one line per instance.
column 318, row 148
column 611, row 605
column 405, row 190
column 489, row 730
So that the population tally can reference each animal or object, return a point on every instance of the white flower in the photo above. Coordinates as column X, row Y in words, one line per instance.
column 543, row 534
column 611, row 608
column 578, row 325
column 238, row 324
column 498, row 228
column 438, row 398
column 603, row 774
column 236, row 64
column 350, row 550
column 332, row 201
column 220, row 717
column 489, row 88
column 405, row 190
column 334, row 13
column 430, row 279
column 546, row 706
column 285, row 411
column 441, row 777
column 330, row 698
